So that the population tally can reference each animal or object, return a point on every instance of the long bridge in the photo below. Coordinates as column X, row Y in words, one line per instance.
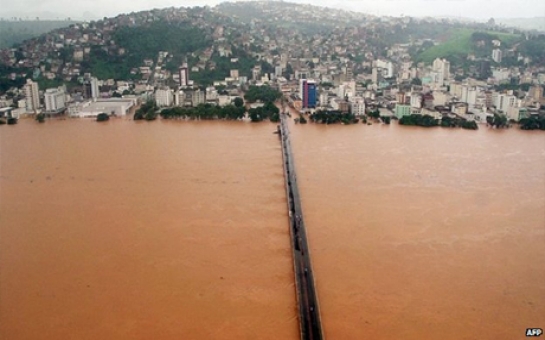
column 309, row 312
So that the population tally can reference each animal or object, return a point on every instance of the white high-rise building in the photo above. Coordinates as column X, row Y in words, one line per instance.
column 32, row 96
column 94, row 88
column 374, row 75
column 503, row 102
column 389, row 69
column 164, row 97
column 442, row 68
column 358, row 107
column 198, row 97
column 497, row 55
column 324, row 99
column 416, row 100
column 54, row 100
column 184, row 75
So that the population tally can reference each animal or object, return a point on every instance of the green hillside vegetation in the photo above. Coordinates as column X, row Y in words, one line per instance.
column 141, row 43
column 464, row 41
column 222, row 68
column 15, row 32
column 535, row 49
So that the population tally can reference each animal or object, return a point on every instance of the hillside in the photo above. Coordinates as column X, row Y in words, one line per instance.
column 15, row 32
column 240, row 36
column 466, row 41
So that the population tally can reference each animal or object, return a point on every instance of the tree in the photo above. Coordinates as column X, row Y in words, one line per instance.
column 147, row 111
column 102, row 117
column 40, row 117
column 263, row 93
column 374, row 114
column 498, row 121
column 239, row 102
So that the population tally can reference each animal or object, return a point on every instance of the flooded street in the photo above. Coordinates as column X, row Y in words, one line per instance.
column 424, row 233
column 162, row 230
column 179, row 230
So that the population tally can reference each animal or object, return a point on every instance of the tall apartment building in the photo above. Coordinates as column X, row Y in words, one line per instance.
column 197, row 97
column 497, row 55
column 32, row 97
column 54, row 99
column 374, row 75
column 358, row 107
column 536, row 92
column 504, row 101
column 442, row 66
column 256, row 72
column 164, row 97
column 184, row 75
column 416, row 100
column 307, row 92
column 94, row 88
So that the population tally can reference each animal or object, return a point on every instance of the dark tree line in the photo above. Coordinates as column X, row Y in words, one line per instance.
column 267, row 111
column 333, row 117
column 498, row 121
column 204, row 111
column 533, row 123
column 429, row 121
column 147, row 111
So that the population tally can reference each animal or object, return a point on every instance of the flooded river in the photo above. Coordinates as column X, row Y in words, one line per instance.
column 424, row 233
column 161, row 230
column 178, row 230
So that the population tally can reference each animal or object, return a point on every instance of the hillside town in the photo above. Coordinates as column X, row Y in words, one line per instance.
column 361, row 64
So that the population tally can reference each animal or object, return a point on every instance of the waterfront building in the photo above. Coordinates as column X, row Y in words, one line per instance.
column 184, row 75
column 164, row 97
column 32, row 98
column 54, row 100
column 307, row 92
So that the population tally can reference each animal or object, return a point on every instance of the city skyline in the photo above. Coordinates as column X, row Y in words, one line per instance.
column 477, row 9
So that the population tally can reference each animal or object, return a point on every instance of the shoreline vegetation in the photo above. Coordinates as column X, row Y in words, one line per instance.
column 269, row 111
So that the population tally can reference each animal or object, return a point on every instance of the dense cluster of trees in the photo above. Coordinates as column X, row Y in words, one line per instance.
column 333, row 117
column 429, row 121
column 141, row 42
column 40, row 117
column 102, row 117
column 498, row 121
column 419, row 120
column 374, row 113
column 147, row 111
column 204, row 111
column 534, row 48
column 447, row 121
column 267, row 111
column 263, row 93
column 301, row 120
column 533, row 123
column 105, row 66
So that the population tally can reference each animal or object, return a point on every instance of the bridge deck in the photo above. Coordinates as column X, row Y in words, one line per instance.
column 309, row 312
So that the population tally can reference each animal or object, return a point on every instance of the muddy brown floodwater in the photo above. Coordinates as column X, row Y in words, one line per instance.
column 162, row 230
column 424, row 233
column 178, row 230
